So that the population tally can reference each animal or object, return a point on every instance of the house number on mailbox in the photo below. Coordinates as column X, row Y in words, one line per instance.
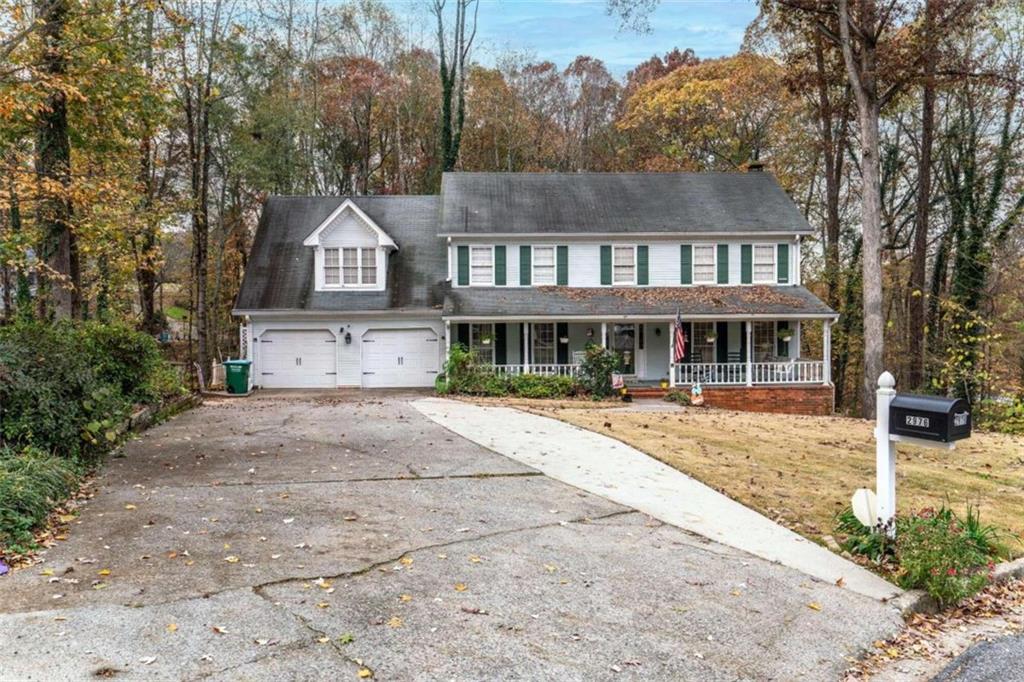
column 913, row 420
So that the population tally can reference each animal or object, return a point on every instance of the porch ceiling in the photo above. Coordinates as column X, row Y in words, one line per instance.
column 732, row 301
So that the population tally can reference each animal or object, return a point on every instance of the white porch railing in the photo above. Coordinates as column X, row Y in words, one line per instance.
column 545, row 370
column 735, row 373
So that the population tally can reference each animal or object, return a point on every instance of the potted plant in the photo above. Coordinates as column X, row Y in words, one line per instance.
column 711, row 337
column 785, row 334
column 664, row 384
column 485, row 339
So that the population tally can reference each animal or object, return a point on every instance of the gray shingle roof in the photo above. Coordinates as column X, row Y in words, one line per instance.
column 280, row 271
column 698, row 300
column 606, row 203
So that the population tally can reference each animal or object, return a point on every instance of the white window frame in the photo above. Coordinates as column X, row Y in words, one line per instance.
column 359, row 283
column 753, row 264
column 484, row 352
column 633, row 281
column 554, row 265
column 713, row 279
column 534, row 336
column 472, row 282
column 761, row 331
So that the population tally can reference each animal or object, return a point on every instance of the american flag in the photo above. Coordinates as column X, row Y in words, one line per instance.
column 679, row 345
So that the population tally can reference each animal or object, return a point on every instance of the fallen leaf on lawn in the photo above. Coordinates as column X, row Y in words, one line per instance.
column 323, row 640
column 323, row 605
column 147, row 660
column 104, row 571
column 405, row 597
column 61, row 618
column 46, row 572
column 395, row 622
column 735, row 593
column 231, row 559
column 172, row 627
column 814, row 605
column 289, row 520
column 364, row 673
column 840, row 582
column 66, row 518
column 219, row 630
column 346, row 638
column 405, row 561
column 551, row 568
column 474, row 559
column 129, row 507
column 442, row 556
column 473, row 609
column 460, row 587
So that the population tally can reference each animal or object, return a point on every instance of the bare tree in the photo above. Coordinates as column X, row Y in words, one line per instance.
column 453, row 47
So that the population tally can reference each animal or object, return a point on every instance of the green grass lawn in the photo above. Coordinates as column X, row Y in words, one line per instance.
column 176, row 313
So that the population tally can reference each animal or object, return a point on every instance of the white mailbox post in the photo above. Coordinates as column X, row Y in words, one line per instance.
column 928, row 421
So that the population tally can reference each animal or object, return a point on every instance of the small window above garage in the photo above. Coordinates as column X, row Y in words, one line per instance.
column 351, row 251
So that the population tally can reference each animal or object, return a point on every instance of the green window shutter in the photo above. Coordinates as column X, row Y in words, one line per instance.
column 525, row 252
column 563, row 266
column 642, row 266
column 686, row 264
column 499, row 265
column 722, row 342
column 463, row 280
column 746, row 264
column 561, row 349
column 500, row 343
column 781, row 347
column 606, row 265
column 783, row 256
column 723, row 263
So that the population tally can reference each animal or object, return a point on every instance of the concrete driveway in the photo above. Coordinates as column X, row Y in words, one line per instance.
column 344, row 535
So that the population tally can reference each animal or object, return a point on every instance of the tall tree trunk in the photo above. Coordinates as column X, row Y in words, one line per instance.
column 833, row 157
column 862, row 72
column 60, row 295
column 918, row 258
column 146, row 255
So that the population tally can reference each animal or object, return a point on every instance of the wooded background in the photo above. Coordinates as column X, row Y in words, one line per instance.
column 138, row 140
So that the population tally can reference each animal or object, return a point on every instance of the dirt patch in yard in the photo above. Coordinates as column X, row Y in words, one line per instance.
column 800, row 471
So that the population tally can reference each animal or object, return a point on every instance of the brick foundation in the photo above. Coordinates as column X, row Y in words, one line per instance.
column 784, row 399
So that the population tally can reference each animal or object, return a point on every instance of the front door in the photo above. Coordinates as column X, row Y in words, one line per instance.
column 624, row 343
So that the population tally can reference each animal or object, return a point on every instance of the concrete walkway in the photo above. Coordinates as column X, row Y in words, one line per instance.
column 620, row 473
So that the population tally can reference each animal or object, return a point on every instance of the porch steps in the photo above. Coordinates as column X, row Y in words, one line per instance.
column 647, row 391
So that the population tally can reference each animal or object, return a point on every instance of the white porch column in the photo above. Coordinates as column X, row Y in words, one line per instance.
column 826, row 352
column 604, row 335
column 794, row 351
column 526, row 347
column 447, row 346
column 750, row 352
column 672, row 354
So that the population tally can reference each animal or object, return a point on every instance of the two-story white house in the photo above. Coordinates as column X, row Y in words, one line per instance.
column 527, row 269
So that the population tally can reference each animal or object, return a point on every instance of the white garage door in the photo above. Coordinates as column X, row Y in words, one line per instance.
column 399, row 358
column 298, row 359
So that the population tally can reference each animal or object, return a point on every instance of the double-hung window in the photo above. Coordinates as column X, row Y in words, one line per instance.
column 481, row 342
column 623, row 265
column 703, row 263
column 481, row 265
column 542, row 351
column 350, row 267
column 543, row 265
column 703, row 342
column 764, row 263
column 764, row 341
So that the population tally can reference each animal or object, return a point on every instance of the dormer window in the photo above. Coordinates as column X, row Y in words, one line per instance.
column 350, row 250
column 350, row 267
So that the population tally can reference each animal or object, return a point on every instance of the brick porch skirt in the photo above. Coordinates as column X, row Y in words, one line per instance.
column 812, row 399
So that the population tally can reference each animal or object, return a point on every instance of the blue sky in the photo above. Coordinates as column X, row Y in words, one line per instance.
column 559, row 30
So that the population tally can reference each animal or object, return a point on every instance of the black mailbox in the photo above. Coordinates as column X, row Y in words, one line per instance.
column 930, row 417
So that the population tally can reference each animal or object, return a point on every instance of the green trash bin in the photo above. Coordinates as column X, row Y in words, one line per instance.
column 236, row 375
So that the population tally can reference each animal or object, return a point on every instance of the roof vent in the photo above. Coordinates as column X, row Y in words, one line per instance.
column 754, row 166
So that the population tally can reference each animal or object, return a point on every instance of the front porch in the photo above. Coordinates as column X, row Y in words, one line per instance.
column 727, row 353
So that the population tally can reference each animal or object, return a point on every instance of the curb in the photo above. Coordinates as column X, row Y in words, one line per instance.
column 918, row 601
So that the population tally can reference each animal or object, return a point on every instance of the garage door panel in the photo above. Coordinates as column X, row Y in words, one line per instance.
column 400, row 358
column 298, row 359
